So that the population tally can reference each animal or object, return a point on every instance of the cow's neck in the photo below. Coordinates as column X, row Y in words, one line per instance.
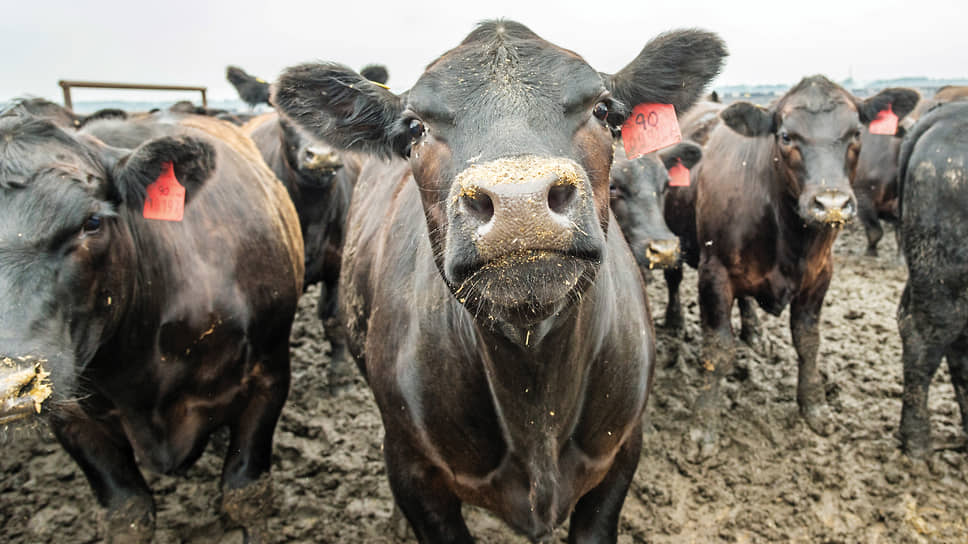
column 537, row 375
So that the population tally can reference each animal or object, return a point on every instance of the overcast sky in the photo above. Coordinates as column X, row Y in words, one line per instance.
column 191, row 42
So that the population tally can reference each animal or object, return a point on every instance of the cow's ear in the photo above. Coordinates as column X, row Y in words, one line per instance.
column 673, row 68
column 748, row 119
column 687, row 153
column 193, row 162
column 342, row 108
column 901, row 100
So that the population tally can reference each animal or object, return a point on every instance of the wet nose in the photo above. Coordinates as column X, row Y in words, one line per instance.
column 833, row 207
column 662, row 253
column 518, row 214
column 322, row 158
column 24, row 386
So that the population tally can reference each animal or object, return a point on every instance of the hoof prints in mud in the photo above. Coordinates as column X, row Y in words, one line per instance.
column 772, row 480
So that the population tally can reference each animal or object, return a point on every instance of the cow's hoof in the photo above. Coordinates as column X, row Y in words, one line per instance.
column 754, row 339
column 249, row 507
column 819, row 418
column 702, row 444
column 132, row 522
column 871, row 252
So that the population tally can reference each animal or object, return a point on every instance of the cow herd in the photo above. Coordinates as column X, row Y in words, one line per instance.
column 482, row 242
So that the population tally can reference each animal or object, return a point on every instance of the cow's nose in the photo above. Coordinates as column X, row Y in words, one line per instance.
column 662, row 253
column 521, row 214
column 833, row 207
column 320, row 159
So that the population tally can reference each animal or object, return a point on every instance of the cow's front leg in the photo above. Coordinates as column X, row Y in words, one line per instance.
column 673, row 315
column 596, row 515
column 101, row 449
column 246, row 484
column 805, row 330
column 715, row 357
column 420, row 491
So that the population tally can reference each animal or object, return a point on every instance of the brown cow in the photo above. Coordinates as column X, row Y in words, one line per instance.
column 138, row 324
column 772, row 191
column 490, row 299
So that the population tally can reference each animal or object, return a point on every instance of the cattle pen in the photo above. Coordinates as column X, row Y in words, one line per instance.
column 67, row 85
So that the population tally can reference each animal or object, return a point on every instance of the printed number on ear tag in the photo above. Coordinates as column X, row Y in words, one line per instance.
column 679, row 175
column 166, row 197
column 649, row 128
column 885, row 123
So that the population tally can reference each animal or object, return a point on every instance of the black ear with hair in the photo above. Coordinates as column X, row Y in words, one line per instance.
column 342, row 108
column 686, row 152
column 748, row 119
column 376, row 73
column 193, row 161
column 673, row 68
column 901, row 100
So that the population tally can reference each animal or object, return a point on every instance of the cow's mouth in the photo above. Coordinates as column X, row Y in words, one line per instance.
column 525, row 285
column 24, row 386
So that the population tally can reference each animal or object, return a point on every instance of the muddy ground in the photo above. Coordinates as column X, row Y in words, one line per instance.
column 773, row 481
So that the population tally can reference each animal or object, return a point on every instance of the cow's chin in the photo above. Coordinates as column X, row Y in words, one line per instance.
column 524, row 288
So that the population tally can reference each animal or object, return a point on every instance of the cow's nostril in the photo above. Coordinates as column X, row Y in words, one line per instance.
column 479, row 205
column 559, row 197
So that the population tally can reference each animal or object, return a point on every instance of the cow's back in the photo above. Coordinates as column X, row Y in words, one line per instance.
column 934, row 196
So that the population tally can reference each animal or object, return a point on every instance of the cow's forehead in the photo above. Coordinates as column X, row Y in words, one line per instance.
column 504, row 69
column 820, row 107
column 29, row 145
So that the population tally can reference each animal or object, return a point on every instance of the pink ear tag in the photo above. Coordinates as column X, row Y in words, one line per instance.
column 885, row 123
column 649, row 128
column 166, row 197
column 679, row 175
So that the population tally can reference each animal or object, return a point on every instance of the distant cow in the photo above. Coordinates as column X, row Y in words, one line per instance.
column 637, row 194
column 875, row 185
column 252, row 90
column 933, row 314
column 490, row 299
column 320, row 181
column 136, row 338
column 55, row 113
column 773, row 188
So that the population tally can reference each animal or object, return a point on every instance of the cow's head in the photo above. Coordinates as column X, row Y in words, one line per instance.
column 314, row 162
column 638, row 189
column 67, row 255
column 508, row 138
column 816, row 130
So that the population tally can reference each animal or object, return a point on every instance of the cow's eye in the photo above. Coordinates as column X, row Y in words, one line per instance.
column 416, row 129
column 92, row 224
column 785, row 137
column 600, row 111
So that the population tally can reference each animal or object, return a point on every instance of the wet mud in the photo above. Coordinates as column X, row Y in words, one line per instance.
column 773, row 480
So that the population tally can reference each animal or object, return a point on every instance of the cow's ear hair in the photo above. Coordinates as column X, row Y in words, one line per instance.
column 748, row 119
column 673, row 68
column 193, row 162
column 342, row 108
column 686, row 152
column 901, row 100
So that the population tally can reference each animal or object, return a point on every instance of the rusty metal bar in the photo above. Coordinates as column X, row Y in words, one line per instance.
column 67, row 84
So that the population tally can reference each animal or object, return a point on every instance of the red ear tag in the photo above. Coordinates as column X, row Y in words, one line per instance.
column 650, row 127
column 166, row 197
column 679, row 175
column 885, row 123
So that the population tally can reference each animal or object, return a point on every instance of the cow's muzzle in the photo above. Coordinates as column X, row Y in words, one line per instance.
column 662, row 253
column 834, row 208
column 24, row 386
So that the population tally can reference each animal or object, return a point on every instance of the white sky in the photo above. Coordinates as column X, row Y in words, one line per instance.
column 191, row 42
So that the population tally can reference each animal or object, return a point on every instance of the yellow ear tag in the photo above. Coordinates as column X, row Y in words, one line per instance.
column 379, row 84
column 260, row 80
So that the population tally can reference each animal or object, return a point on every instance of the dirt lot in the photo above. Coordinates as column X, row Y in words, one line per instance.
column 773, row 481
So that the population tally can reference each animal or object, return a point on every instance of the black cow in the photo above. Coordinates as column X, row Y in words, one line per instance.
column 136, row 338
column 875, row 185
column 55, row 113
column 252, row 90
column 933, row 314
column 773, row 188
column 320, row 181
column 504, row 331
column 637, row 195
